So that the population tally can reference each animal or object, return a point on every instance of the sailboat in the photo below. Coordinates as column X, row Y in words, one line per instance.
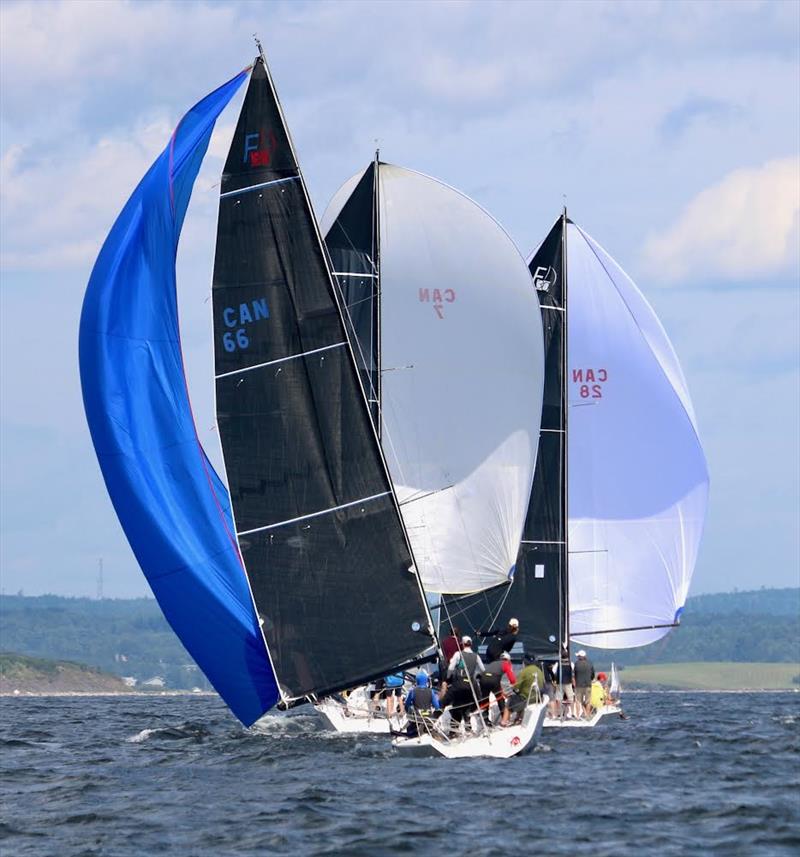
column 620, row 491
column 448, row 335
column 278, row 585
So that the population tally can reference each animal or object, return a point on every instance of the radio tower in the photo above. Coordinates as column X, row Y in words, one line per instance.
column 100, row 579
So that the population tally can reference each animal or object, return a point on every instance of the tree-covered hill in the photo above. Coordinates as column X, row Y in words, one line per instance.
column 132, row 638
column 23, row 674
column 758, row 626
column 124, row 637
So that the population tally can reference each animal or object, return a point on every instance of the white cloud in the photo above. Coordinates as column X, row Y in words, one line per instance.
column 55, row 211
column 747, row 226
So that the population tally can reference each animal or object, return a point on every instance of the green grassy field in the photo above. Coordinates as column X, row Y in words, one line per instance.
column 712, row 676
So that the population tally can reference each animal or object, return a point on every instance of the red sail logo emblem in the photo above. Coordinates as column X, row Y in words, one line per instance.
column 259, row 148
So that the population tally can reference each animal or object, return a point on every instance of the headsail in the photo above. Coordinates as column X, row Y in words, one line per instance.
column 317, row 522
column 173, row 508
column 638, row 481
column 461, row 370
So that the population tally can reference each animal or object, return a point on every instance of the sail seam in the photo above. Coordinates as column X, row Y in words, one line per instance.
column 313, row 514
column 280, row 360
column 253, row 187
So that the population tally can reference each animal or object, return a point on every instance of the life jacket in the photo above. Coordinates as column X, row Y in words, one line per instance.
column 465, row 668
column 423, row 699
column 492, row 675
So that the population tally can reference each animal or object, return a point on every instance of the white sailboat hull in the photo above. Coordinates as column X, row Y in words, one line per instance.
column 572, row 723
column 340, row 718
column 496, row 742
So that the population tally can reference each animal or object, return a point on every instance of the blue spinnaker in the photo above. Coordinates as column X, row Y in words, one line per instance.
column 172, row 505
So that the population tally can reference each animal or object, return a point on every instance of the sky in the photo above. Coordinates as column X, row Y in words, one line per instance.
column 671, row 129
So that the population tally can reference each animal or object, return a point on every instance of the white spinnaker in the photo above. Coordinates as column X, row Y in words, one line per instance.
column 638, row 480
column 462, row 378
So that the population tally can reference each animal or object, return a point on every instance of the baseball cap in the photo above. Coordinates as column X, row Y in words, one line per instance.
column 466, row 641
column 581, row 654
column 505, row 656
column 514, row 623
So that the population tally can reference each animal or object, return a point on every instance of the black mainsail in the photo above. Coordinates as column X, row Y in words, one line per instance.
column 538, row 595
column 353, row 246
column 323, row 544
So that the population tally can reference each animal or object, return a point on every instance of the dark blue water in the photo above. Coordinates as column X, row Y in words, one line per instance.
column 687, row 773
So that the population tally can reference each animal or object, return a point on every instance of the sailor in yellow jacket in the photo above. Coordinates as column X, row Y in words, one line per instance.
column 598, row 698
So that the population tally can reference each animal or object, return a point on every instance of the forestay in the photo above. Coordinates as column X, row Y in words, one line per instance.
column 461, row 361
column 319, row 529
column 638, row 482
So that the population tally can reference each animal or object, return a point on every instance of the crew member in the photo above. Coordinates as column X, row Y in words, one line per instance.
column 450, row 645
column 491, row 682
column 462, row 673
column 500, row 639
column 421, row 701
column 584, row 674
column 525, row 688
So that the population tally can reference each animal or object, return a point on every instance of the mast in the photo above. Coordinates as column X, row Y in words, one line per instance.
column 564, row 600
column 376, row 255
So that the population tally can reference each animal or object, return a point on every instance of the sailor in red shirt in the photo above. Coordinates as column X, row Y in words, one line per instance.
column 450, row 645
column 491, row 682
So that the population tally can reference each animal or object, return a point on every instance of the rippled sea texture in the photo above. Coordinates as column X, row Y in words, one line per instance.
column 687, row 773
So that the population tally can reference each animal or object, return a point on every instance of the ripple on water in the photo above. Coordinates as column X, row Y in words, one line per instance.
column 177, row 775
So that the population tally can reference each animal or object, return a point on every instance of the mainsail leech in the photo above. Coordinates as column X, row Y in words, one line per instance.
column 172, row 506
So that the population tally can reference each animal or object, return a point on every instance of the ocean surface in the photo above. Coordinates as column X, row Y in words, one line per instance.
column 688, row 773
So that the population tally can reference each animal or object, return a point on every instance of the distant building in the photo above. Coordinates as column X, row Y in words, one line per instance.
column 130, row 681
column 155, row 681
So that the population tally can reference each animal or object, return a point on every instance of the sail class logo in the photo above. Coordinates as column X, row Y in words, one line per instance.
column 543, row 278
column 258, row 151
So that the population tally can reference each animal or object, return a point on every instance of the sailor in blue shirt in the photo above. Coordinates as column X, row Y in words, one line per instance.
column 421, row 701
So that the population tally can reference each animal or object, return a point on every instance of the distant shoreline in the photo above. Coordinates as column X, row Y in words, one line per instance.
column 126, row 693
